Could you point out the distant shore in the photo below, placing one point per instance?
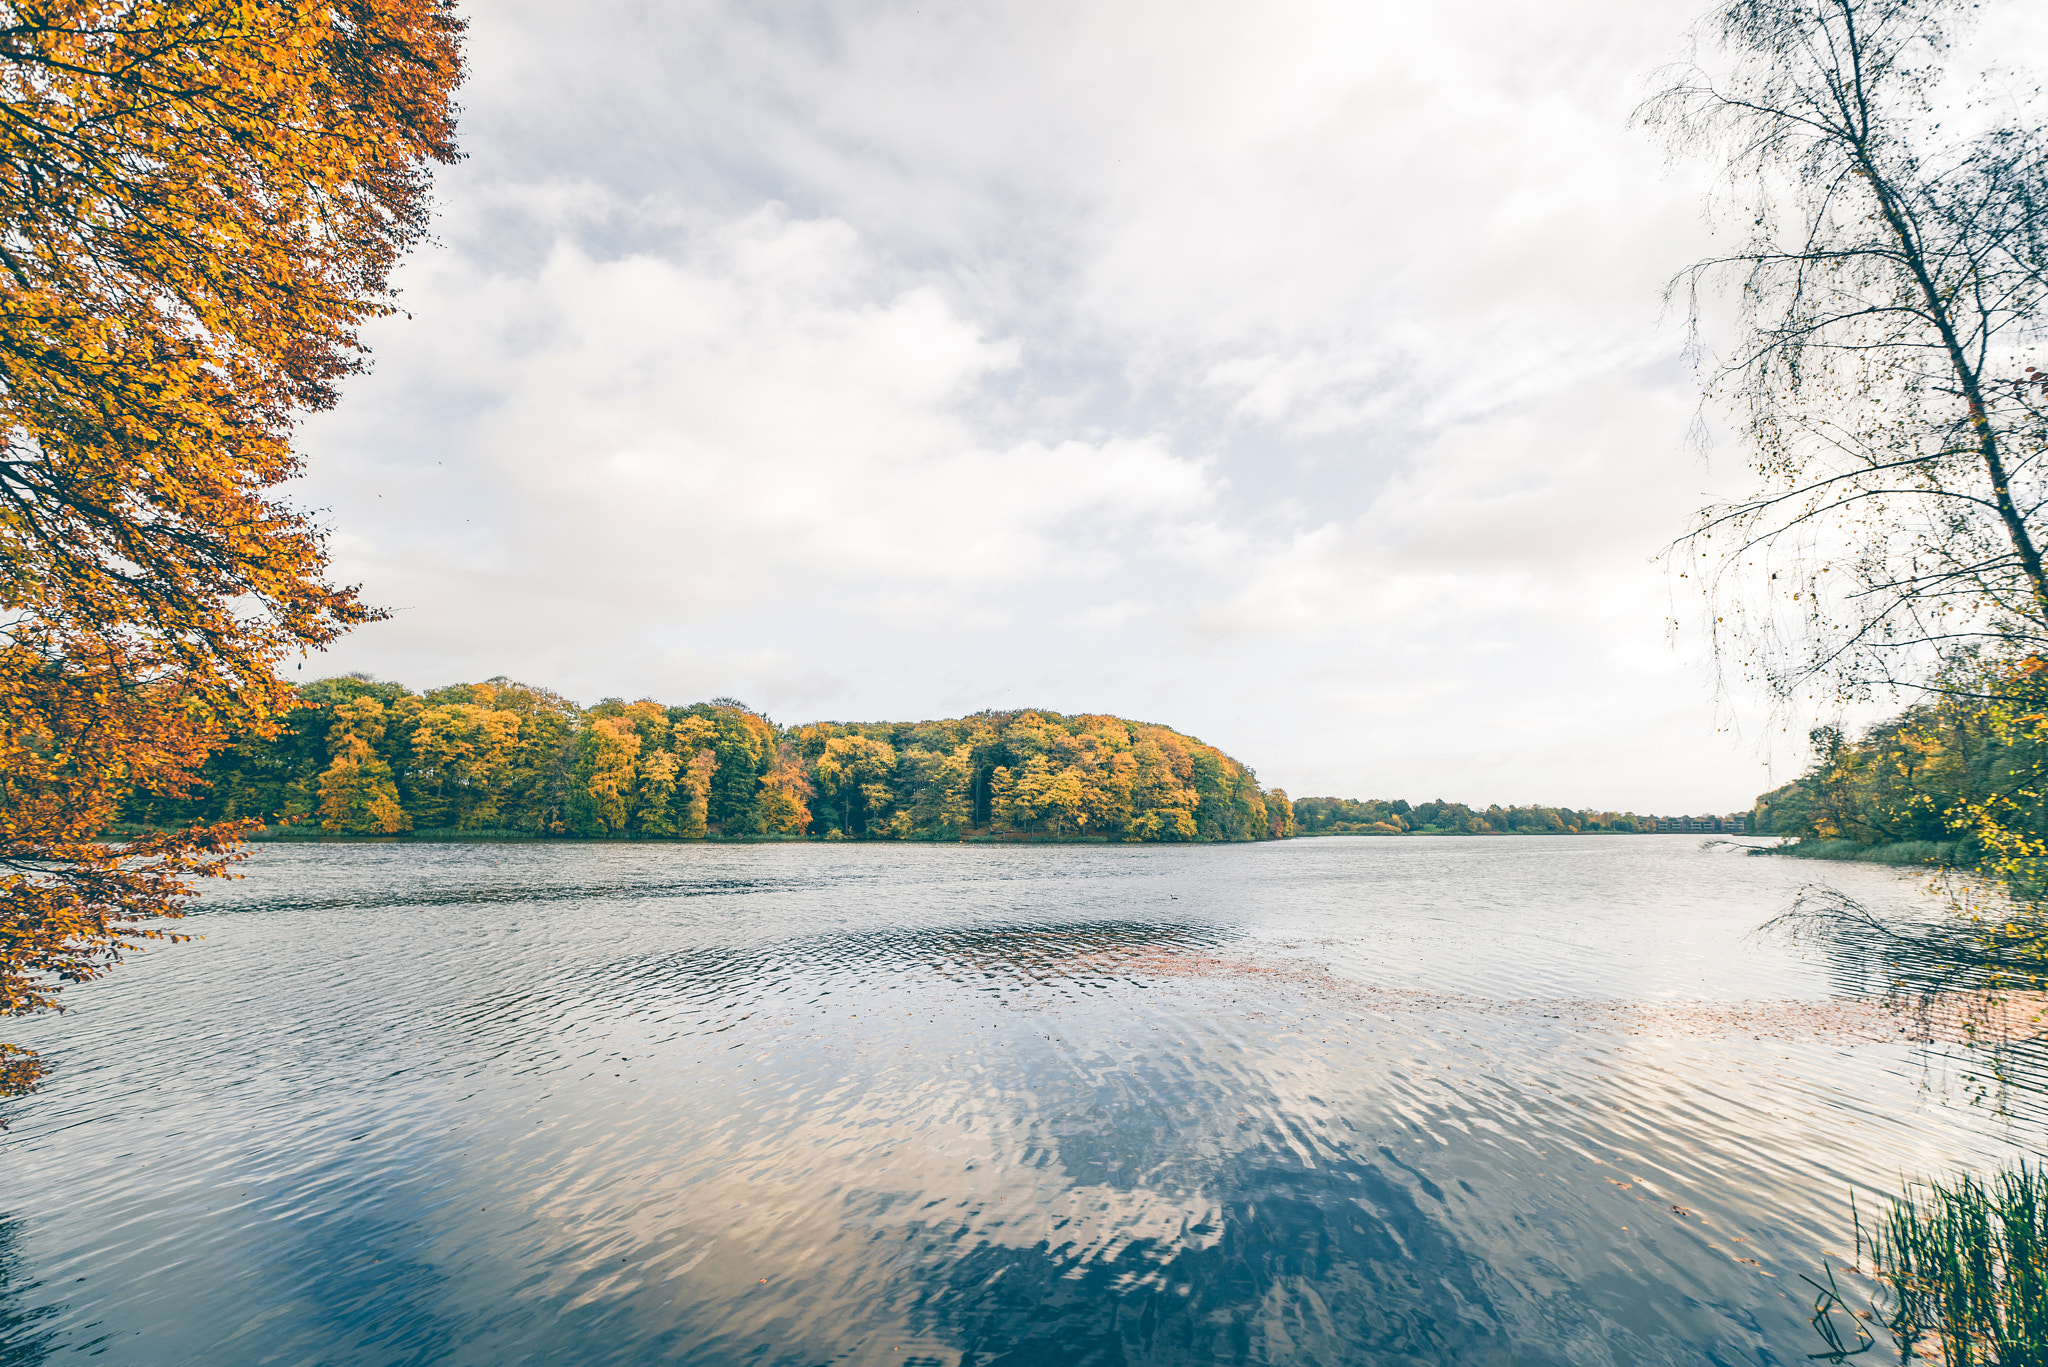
(1476, 835)
(313, 835)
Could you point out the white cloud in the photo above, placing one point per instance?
(1281, 373)
(752, 408)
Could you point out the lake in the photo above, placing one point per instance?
(1337, 1101)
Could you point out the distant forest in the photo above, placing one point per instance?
(1349, 816)
(363, 757)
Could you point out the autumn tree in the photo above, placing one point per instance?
(692, 737)
(357, 793)
(531, 789)
(852, 774)
(201, 202)
(614, 752)
(782, 807)
(1002, 788)
(942, 782)
(1064, 802)
(744, 744)
(1027, 790)
(462, 753)
(1162, 797)
(654, 799)
(1279, 815)
(655, 787)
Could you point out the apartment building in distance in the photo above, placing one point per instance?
(1736, 823)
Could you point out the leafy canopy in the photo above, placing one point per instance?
(200, 204)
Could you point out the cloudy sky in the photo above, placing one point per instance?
(1294, 374)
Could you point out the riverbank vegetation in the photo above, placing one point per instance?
(1966, 1265)
(1960, 779)
(1960, 1267)
(360, 757)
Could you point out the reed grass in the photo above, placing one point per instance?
(1965, 1266)
(1935, 853)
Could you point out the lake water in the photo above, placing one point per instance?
(1337, 1101)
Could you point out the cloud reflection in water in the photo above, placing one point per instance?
(879, 1105)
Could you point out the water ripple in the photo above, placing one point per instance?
(1340, 1101)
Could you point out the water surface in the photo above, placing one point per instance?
(1335, 1101)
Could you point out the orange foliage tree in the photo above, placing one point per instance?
(200, 204)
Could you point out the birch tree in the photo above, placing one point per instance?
(1890, 282)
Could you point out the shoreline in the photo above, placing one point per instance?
(286, 836)
(271, 836)
(1929, 854)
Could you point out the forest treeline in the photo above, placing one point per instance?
(1958, 778)
(1350, 816)
(358, 756)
